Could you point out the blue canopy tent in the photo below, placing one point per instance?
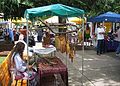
(106, 17)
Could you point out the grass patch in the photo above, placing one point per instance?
(2, 59)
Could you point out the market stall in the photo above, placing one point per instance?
(54, 10)
(108, 19)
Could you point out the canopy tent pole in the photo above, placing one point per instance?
(83, 49)
(66, 42)
(27, 47)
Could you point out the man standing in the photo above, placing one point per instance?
(100, 39)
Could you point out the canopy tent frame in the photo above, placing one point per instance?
(59, 10)
(106, 17)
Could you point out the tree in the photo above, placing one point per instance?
(10, 8)
(14, 8)
(102, 6)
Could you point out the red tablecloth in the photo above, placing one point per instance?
(57, 67)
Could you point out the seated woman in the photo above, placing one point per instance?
(19, 66)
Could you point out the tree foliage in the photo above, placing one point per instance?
(16, 8)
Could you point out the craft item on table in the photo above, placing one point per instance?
(48, 61)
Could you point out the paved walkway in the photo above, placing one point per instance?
(97, 70)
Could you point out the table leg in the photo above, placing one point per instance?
(64, 77)
(40, 79)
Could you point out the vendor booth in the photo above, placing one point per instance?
(53, 65)
(108, 19)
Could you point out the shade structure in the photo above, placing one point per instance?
(20, 21)
(54, 10)
(106, 17)
(77, 20)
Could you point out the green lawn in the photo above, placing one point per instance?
(1, 59)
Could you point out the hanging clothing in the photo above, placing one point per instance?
(62, 43)
(57, 42)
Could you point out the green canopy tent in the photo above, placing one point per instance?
(54, 10)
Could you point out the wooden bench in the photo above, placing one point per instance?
(5, 75)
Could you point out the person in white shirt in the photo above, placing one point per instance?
(19, 66)
(100, 39)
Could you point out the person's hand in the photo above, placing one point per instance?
(30, 67)
(101, 33)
